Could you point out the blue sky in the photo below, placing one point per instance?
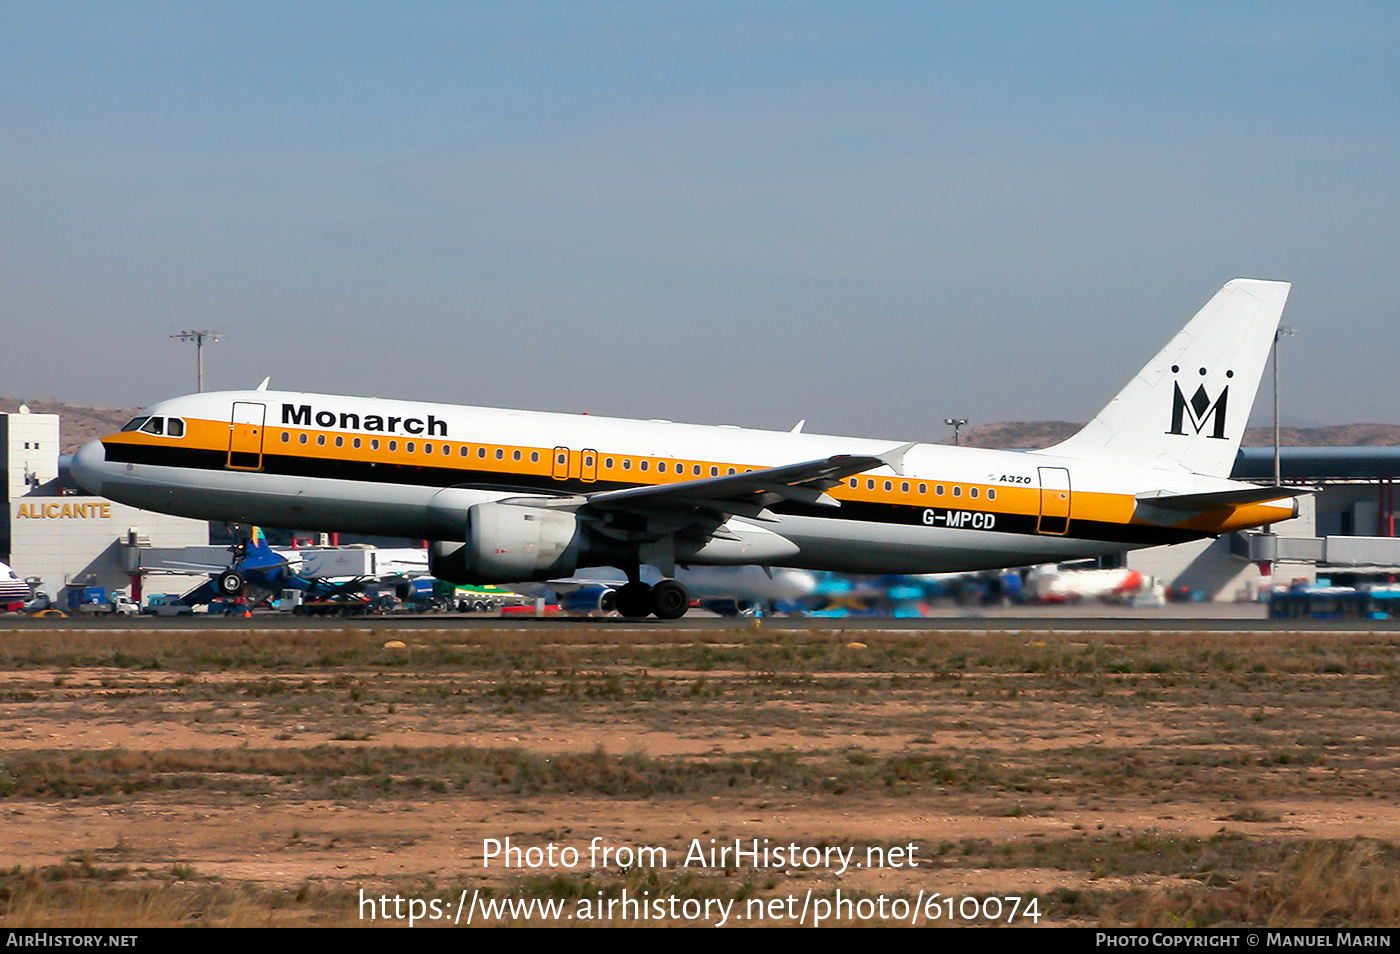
(871, 215)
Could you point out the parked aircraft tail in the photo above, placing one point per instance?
(1186, 409)
(259, 554)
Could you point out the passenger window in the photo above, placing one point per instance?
(286, 437)
(408, 447)
(321, 439)
(339, 441)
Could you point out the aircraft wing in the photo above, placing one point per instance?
(746, 494)
(700, 510)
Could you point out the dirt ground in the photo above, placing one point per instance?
(1106, 776)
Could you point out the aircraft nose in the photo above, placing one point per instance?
(88, 465)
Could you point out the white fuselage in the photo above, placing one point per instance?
(367, 465)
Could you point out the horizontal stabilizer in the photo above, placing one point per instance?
(1204, 503)
(1171, 509)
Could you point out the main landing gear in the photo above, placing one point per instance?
(666, 600)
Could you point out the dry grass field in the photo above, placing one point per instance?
(188, 774)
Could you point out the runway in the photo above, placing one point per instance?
(1087, 618)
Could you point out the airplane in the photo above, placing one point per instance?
(1050, 584)
(14, 592)
(509, 496)
(255, 562)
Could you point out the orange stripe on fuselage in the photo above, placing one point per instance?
(1011, 500)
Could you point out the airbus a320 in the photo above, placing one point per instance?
(513, 496)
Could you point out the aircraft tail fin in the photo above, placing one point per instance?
(259, 553)
(1186, 409)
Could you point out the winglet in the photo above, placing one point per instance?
(894, 459)
(265, 382)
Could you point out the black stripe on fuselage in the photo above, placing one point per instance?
(939, 517)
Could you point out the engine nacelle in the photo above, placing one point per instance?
(509, 544)
(587, 599)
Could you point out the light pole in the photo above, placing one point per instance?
(956, 423)
(198, 338)
(1282, 332)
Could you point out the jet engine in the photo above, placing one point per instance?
(508, 543)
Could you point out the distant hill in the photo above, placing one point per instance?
(76, 425)
(1036, 434)
(81, 424)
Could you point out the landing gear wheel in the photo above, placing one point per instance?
(633, 600)
(669, 599)
(230, 583)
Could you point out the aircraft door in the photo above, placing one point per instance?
(588, 465)
(1055, 500)
(561, 463)
(245, 436)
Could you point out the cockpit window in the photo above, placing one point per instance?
(160, 426)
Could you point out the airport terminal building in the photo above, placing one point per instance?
(55, 535)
